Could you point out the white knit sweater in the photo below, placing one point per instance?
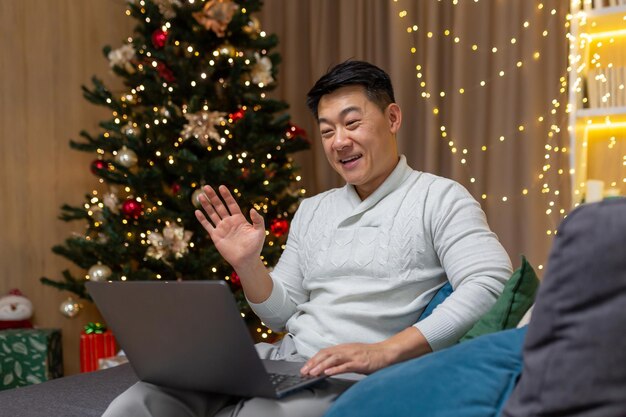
(362, 271)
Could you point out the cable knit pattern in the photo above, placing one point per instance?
(361, 271)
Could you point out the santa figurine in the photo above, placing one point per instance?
(15, 311)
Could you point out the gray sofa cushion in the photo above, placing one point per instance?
(575, 348)
(82, 395)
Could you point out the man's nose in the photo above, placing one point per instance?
(341, 140)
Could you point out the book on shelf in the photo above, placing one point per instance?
(621, 86)
(592, 89)
(606, 87)
(589, 5)
(608, 90)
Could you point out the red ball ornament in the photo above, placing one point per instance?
(97, 166)
(234, 278)
(159, 38)
(165, 73)
(175, 188)
(294, 131)
(279, 227)
(132, 208)
(237, 115)
(270, 173)
(245, 173)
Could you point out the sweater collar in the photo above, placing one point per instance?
(400, 173)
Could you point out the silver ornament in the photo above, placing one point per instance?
(129, 130)
(195, 198)
(126, 157)
(70, 308)
(99, 272)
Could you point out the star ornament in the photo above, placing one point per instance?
(203, 126)
(168, 7)
(123, 57)
(262, 70)
(216, 15)
(173, 241)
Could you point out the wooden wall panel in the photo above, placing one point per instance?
(48, 49)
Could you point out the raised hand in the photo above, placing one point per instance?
(237, 240)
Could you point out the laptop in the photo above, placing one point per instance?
(190, 335)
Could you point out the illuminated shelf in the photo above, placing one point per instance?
(597, 134)
(597, 115)
(605, 19)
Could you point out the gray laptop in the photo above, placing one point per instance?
(191, 335)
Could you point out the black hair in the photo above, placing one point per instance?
(376, 82)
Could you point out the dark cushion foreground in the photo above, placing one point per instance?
(575, 350)
(471, 379)
(82, 395)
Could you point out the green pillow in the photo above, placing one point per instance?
(516, 299)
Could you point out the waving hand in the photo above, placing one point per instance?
(237, 240)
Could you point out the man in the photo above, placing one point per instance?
(361, 262)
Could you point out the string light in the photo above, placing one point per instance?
(512, 66)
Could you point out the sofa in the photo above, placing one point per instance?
(81, 395)
(569, 361)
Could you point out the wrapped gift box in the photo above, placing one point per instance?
(93, 347)
(29, 356)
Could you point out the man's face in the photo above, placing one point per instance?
(358, 137)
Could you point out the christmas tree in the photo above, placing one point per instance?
(195, 110)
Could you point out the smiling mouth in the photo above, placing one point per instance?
(350, 159)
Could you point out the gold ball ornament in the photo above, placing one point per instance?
(227, 50)
(126, 157)
(70, 308)
(99, 272)
(195, 200)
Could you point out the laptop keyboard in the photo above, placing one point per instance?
(282, 381)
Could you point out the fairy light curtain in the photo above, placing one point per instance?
(483, 87)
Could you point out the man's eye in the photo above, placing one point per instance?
(326, 133)
(352, 123)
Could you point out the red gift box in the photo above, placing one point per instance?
(93, 347)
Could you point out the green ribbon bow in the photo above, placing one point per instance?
(95, 328)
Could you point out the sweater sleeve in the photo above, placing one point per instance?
(287, 292)
(473, 259)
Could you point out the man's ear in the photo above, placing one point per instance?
(394, 117)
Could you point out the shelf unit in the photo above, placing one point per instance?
(597, 99)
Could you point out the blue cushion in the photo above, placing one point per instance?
(440, 295)
(471, 379)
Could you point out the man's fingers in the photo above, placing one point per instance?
(324, 362)
(257, 219)
(216, 202)
(340, 369)
(208, 208)
(232, 205)
(355, 357)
